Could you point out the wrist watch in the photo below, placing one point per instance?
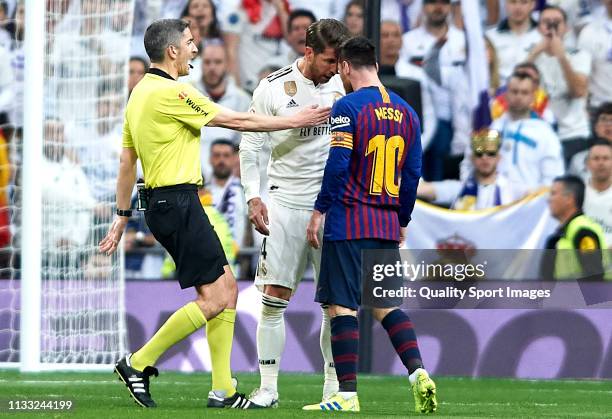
(124, 213)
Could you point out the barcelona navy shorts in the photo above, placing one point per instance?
(177, 220)
(340, 279)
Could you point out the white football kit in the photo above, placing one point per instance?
(295, 172)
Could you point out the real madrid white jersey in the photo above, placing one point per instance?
(298, 156)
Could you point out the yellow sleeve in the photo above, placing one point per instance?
(128, 142)
(191, 107)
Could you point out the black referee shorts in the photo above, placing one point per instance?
(177, 220)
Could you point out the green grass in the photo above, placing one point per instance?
(101, 395)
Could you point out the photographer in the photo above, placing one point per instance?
(565, 73)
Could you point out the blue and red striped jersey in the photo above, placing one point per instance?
(373, 169)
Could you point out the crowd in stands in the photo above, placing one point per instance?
(550, 65)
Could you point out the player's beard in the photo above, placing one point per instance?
(348, 87)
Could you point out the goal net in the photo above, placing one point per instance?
(82, 316)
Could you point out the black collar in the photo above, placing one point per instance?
(563, 227)
(160, 73)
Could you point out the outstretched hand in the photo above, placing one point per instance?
(110, 243)
(312, 115)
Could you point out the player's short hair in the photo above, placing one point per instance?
(574, 186)
(326, 33)
(300, 13)
(160, 35)
(359, 52)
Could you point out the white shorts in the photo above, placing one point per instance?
(285, 252)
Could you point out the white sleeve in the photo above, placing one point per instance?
(585, 39)
(252, 142)
(581, 62)
(551, 164)
(241, 217)
(461, 113)
(447, 191)
(429, 116)
(466, 167)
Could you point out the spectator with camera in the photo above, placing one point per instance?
(565, 72)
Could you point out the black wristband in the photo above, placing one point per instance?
(124, 213)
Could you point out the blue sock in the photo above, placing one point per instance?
(400, 331)
(345, 348)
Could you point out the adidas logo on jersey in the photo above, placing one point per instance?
(292, 104)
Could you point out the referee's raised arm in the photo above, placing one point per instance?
(249, 121)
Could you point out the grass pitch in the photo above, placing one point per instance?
(101, 395)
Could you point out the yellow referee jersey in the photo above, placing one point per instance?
(162, 123)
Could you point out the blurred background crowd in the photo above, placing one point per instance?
(550, 67)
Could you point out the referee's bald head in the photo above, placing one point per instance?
(160, 35)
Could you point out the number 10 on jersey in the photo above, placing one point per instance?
(387, 155)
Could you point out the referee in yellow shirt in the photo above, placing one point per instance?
(162, 128)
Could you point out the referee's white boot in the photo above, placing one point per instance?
(262, 398)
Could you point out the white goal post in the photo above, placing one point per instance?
(62, 302)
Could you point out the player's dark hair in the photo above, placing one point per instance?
(603, 109)
(359, 52)
(574, 186)
(557, 8)
(300, 13)
(160, 35)
(326, 33)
